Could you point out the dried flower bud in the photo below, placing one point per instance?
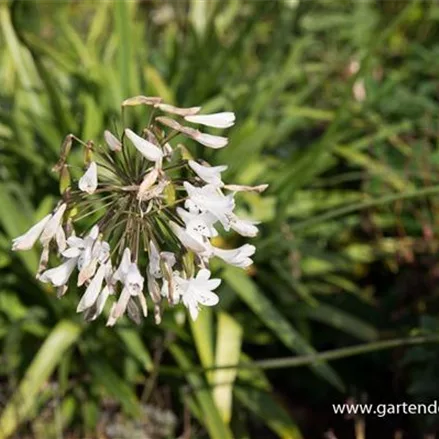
(65, 150)
(141, 100)
(178, 111)
(240, 188)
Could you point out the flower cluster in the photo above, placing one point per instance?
(155, 211)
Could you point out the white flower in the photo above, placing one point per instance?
(89, 181)
(28, 239)
(198, 291)
(52, 225)
(154, 261)
(209, 140)
(129, 275)
(60, 238)
(111, 319)
(210, 174)
(119, 308)
(146, 148)
(93, 290)
(244, 227)
(75, 247)
(172, 288)
(209, 198)
(190, 241)
(153, 288)
(99, 305)
(203, 138)
(216, 120)
(95, 311)
(112, 141)
(120, 273)
(239, 257)
(87, 252)
(60, 275)
(149, 179)
(133, 280)
(101, 251)
(198, 223)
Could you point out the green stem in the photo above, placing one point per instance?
(307, 360)
(364, 205)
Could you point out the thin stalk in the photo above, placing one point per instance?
(307, 360)
(363, 205)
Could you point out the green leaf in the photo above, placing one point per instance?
(15, 224)
(341, 320)
(202, 332)
(273, 319)
(272, 413)
(135, 347)
(215, 425)
(228, 351)
(114, 385)
(63, 335)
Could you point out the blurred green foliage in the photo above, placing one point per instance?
(337, 107)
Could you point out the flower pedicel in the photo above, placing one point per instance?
(155, 211)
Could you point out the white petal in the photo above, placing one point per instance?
(120, 273)
(149, 179)
(244, 227)
(147, 149)
(210, 141)
(94, 233)
(101, 251)
(210, 174)
(192, 305)
(59, 275)
(207, 298)
(112, 141)
(203, 274)
(52, 225)
(201, 224)
(89, 181)
(169, 258)
(72, 252)
(216, 120)
(153, 288)
(187, 239)
(154, 261)
(28, 239)
(122, 303)
(75, 241)
(134, 280)
(92, 291)
(239, 257)
(111, 319)
(87, 271)
(60, 239)
(209, 198)
(100, 302)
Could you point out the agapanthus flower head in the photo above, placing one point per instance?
(154, 213)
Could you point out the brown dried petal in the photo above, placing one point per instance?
(240, 188)
(178, 111)
(141, 100)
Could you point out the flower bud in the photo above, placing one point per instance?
(64, 179)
